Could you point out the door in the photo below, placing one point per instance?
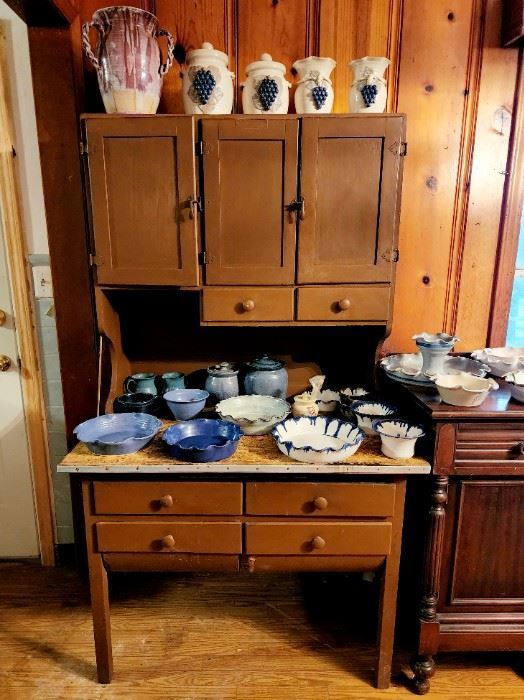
(350, 182)
(18, 535)
(250, 178)
(142, 185)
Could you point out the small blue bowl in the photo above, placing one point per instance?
(118, 433)
(202, 440)
(186, 403)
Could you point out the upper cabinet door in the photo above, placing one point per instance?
(250, 177)
(350, 182)
(142, 181)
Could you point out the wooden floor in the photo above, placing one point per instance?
(211, 637)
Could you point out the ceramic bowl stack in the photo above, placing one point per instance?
(348, 396)
(515, 381)
(118, 433)
(256, 415)
(367, 412)
(319, 440)
(501, 361)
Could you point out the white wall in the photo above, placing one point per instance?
(28, 160)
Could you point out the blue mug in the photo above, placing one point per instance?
(141, 383)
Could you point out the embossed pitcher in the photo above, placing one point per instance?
(127, 58)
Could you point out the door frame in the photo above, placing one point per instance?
(23, 304)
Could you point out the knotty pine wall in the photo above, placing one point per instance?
(448, 75)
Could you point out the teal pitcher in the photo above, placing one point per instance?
(141, 383)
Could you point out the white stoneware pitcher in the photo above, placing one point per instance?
(266, 90)
(369, 91)
(314, 94)
(207, 83)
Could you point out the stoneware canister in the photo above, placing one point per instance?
(267, 377)
(222, 381)
(127, 58)
(207, 82)
(314, 93)
(369, 91)
(266, 90)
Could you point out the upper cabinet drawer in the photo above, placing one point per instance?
(351, 303)
(142, 181)
(350, 182)
(250, 176)
(248, 304)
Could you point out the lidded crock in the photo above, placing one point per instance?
(222, 381)
(266, 90)
(207, 83)
(266, 376)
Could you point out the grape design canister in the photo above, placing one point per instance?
(207, 83)
(314, 93)
(368, 93)
(266, 90)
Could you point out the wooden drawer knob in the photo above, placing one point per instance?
(168, 542)
(318, 542)
(166, 501)
(248, 305)
(320, 503)
(520, 448)
(344, 304)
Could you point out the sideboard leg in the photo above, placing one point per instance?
(101, 618)
(424, 668)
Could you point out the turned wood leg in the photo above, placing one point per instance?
(101, 618)
(423, 668)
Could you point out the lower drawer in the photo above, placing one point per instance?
(351, 303)
(247, 304)
(135, 561)
(196, 538)
(319, 538)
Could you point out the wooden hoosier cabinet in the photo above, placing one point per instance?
(473, 578)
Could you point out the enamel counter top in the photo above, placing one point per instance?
(255, 454)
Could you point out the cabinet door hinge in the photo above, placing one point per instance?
(202, 148)
(391, 255)
(94, 260)
(202, 258)
(83, 149)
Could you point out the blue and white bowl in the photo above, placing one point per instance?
(118, 433)
(318, 440)
(368, 411)
(398, 437)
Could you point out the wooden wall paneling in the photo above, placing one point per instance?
(433, 79)
(51, 62)
(350, 29)
(478, 250)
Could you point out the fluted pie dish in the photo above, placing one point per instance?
(318, 440)
(202, 440)
(118, 433)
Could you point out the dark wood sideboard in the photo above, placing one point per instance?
(472, 596)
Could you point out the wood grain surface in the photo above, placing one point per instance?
(215, 637)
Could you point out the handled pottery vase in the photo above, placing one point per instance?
(314, 93)
(369, 91)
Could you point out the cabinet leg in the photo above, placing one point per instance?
(101, 618)
(424, 668)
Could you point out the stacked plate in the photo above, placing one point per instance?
(406, 369)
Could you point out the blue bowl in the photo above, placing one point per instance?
(186, 403)
(118, 433)
(202, 440)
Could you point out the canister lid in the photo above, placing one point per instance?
(207, 53)
(266, 62)
(223, 369)
(264, 362)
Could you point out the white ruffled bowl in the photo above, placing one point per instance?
(515, 381)
(255, 414)
(398, 437)
(318, 440)
(463, 389)
(367, 412)
(501, 361)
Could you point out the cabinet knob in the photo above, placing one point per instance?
(168, 542)
(3, 317)
(520, 448)
(166, 501)
(318, 542)
(248, 305)
(344, 304)
(320, 503)
(5, 363)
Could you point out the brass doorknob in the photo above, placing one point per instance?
(3, 317)
(344, 304)
(320, 503)
(5, 363)
(248, 305)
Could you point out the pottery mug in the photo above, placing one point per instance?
(140, 383)
(171, 380)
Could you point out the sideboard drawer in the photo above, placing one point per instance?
(170, 536)
(351, 303)
(481, 447)
(319, 538)
(167, 498)
(247, 304)
(320, 500)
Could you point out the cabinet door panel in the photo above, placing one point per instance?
(350, 181)
(250, 175)
(142, 176)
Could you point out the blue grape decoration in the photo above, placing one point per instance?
(203, 85)
(267, 92)
(369, 93)
(319, 94)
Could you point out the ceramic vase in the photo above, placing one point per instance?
(434, 348)
(127, 58)
(266, 90)
(368, 93)
(314, 93)
(207, 83)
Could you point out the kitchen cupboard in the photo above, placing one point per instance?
(285, 208)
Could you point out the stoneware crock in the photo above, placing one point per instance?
(398, 437)
(222, 381)
(266, 90)
(266, 376)
(314, 93)
(463, 389)
(207, 82)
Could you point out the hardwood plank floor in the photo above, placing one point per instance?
(214, 637)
